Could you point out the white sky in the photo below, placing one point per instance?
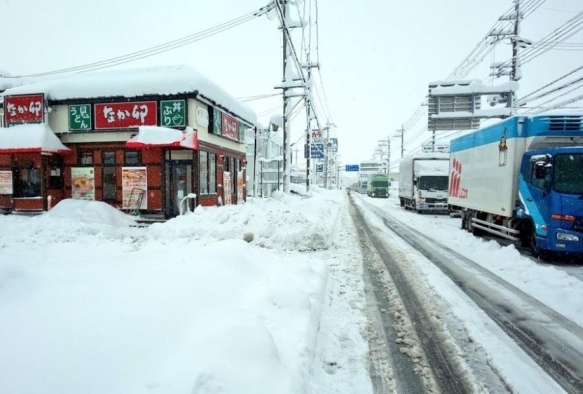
(376, 59)
(89, 304)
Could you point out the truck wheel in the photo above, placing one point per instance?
(402, 202)
(532, 244)
(469, 224)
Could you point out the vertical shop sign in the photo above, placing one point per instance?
(80, 117)
(6, 182)
(227, 187)
(202, 116)
(242, 129)
(124, 115)
(173, 113)
(229, 127)
(83, 182)
(24, 109)
(134, 186)
(217, 128)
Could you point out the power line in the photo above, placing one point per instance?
(562, 104)
(257, 97)
(529, 97)
(186, 40)
(547, 43)
(561, 95)
(480, 51)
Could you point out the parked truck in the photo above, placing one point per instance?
(378, 185)
(423, 182)
(522, 179)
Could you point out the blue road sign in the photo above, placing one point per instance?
(319, 167)
(352, 167)
(317, 151)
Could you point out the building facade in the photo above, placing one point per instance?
(157, 140)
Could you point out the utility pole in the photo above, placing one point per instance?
(513, 72)
(385, 144)
(402, 135)
(286, 100)
(326, 150)
(308, 104)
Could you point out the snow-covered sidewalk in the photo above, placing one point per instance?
(90, 303)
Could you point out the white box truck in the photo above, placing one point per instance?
(522, 179)
(423, 182)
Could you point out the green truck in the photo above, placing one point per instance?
(378, 185)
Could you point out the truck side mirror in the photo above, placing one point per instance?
(415, 182)
(539, 170)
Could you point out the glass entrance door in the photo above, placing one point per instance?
(179, 184)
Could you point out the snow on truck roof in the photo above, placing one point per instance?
(432, 167)
(165, 80)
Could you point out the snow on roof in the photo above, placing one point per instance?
(30, 138)
(479, 113)
(165, 80)
(164, 136)
(432, 167)
(472, 87)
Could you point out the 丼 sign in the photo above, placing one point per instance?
(173, 113)
(24, 108)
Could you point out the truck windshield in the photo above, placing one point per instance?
(380, 183)
(433, 183)
(568, 170)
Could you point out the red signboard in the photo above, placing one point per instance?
(124, 115)
(229, 127)
(24, 108)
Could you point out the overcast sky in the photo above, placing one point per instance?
(376, 56)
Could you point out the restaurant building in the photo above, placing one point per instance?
(154, 141)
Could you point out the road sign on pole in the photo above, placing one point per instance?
(352, 167)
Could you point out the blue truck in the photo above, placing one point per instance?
(522, 180)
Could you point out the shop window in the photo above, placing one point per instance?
(132, 158)
(27, 182)
(55, 168)
(234, 176)
(204, 172)
(109, 177)
(86, 158)
(212, 173)
(208, 172)
(108, 158)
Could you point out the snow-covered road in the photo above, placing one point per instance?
(552, 327)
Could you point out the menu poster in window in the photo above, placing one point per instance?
(240, 185)
(83, 183)
(134, 185)
(227, 187)
(6, 182)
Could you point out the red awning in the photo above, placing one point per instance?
(164, 137)
(30, 138)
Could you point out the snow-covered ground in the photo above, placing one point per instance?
(264, 297)
(89, 303)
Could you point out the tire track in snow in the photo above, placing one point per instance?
(446, 373)
(554, 342)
